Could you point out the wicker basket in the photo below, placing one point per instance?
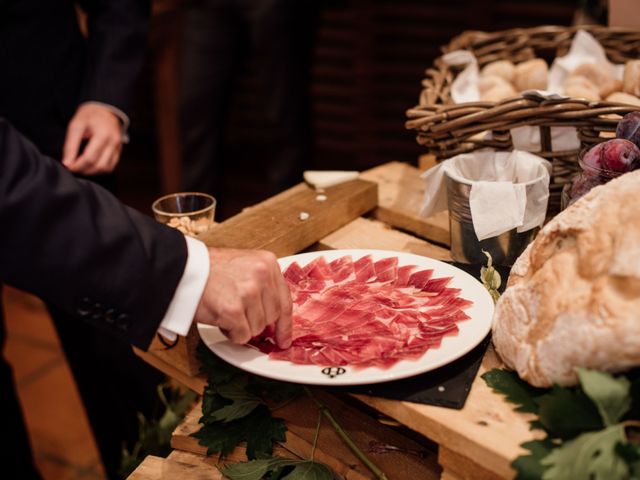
(447, 129)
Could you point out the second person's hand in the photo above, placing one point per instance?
(101, 128)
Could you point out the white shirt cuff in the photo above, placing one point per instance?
(179, 316)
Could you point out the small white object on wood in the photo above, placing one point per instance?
(328, 178)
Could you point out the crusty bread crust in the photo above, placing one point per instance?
(573, 296)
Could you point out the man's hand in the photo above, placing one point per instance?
(101, 128)
(244, 293)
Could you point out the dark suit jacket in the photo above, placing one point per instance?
(73, 244)
(48, 68)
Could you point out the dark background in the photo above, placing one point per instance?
(367, 63)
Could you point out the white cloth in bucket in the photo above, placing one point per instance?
(508, 189)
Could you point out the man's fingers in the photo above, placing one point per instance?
(105, 162)
(90, 156)
(72, 141)
(237, 329)
(255, 315)
(283, 324)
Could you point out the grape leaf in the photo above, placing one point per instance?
(275, 468)
(254, 469)
(514, 389)
(217, 370)
(609, 394)
(242, 402)
(264, 432)
(631, 454)
(259, 429)
(567, 412)
(590, 456)
(309, 471)
(211, 402)
(529, 466)
(273, 389)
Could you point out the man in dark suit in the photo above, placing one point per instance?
(74, 245)
(70, 93)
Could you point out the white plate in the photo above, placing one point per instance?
(471, 332)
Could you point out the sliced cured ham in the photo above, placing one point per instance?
(365, 313)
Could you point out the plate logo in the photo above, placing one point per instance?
(333, 372)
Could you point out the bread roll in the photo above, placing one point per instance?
(600, 77)
(578, 86)
(621, 97)
(531, 75)
(499, 93)
(573, 296)
(500, 68)
(490, 82)
(631, 80)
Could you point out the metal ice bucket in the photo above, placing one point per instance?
(465, 246)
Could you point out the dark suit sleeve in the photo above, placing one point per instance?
(76, 246)
(116, 45)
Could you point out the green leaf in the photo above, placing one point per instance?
(529, 467)
(217, 370)
(211, 402)
(590, 456)
(309, 471)
(254, 469)
(610, 395)
(273, 390)
(259, 429)
(630, 453)
(566, 413)
(264, 432)
(274, 467)
(242, 402)
(516, 391)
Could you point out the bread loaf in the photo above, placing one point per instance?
(573, 296)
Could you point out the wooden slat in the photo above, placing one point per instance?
(403, 459)
(366, 233)
(487, 430)
(400, 190)
(462, 467)
(276, 225)
(156, 468)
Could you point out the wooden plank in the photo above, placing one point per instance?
(397, 455)
(156, 468)
(275, 225)
(487, 430)
(366, 233)
(194, 382)
(461, 467)
(400, 191)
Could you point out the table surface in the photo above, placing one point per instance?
(480, 440)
